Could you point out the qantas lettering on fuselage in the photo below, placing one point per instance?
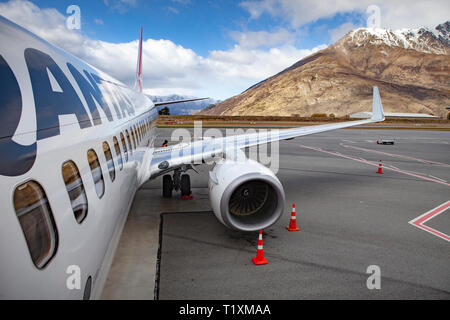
(17, 159)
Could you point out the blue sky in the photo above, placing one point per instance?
(215, 48)
(201, 25)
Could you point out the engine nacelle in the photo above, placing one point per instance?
(245, 196)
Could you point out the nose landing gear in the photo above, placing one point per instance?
(179, 181)
(185, 185)
(167, 186)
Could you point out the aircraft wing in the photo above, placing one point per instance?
(165, 103)
(201, 151)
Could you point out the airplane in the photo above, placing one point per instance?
(76, 144)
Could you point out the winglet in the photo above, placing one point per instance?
(139, 66)
(377, 108)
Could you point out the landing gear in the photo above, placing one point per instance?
(179, 181)
(167, 186)
(185, 185)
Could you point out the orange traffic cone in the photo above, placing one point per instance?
(259, 259)
(293, 223)
(380, 168)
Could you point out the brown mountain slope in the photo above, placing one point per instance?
(412, 77)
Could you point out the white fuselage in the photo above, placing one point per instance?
(90, 244)
(76, 144)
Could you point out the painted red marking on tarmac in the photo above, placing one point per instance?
(420, 220)
(376, 165)
(398, 156)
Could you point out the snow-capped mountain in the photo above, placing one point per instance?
(423, 39)
(411, 67)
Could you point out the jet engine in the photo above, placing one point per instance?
(245, 196)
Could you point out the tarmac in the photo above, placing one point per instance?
(350, 217)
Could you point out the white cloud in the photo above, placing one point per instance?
(414, 14)
(395, 14)
(168, 68)
(298, 13)
(339, 32)
(255, 39)
(120, 6)
(184, 2)
(173, 10)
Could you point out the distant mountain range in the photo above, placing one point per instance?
(411, 67)
(185, 108)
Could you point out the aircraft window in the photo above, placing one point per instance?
(75, 189)
(133, 136)
(36, 219)
(109, 161)
(118, 153)
(96, 171)
(138, 133)
(87, 289)
(124, 145)
(129, 141)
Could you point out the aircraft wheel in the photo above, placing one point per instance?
(167, 186)
(185, 185)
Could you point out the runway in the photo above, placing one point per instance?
(350, 218)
